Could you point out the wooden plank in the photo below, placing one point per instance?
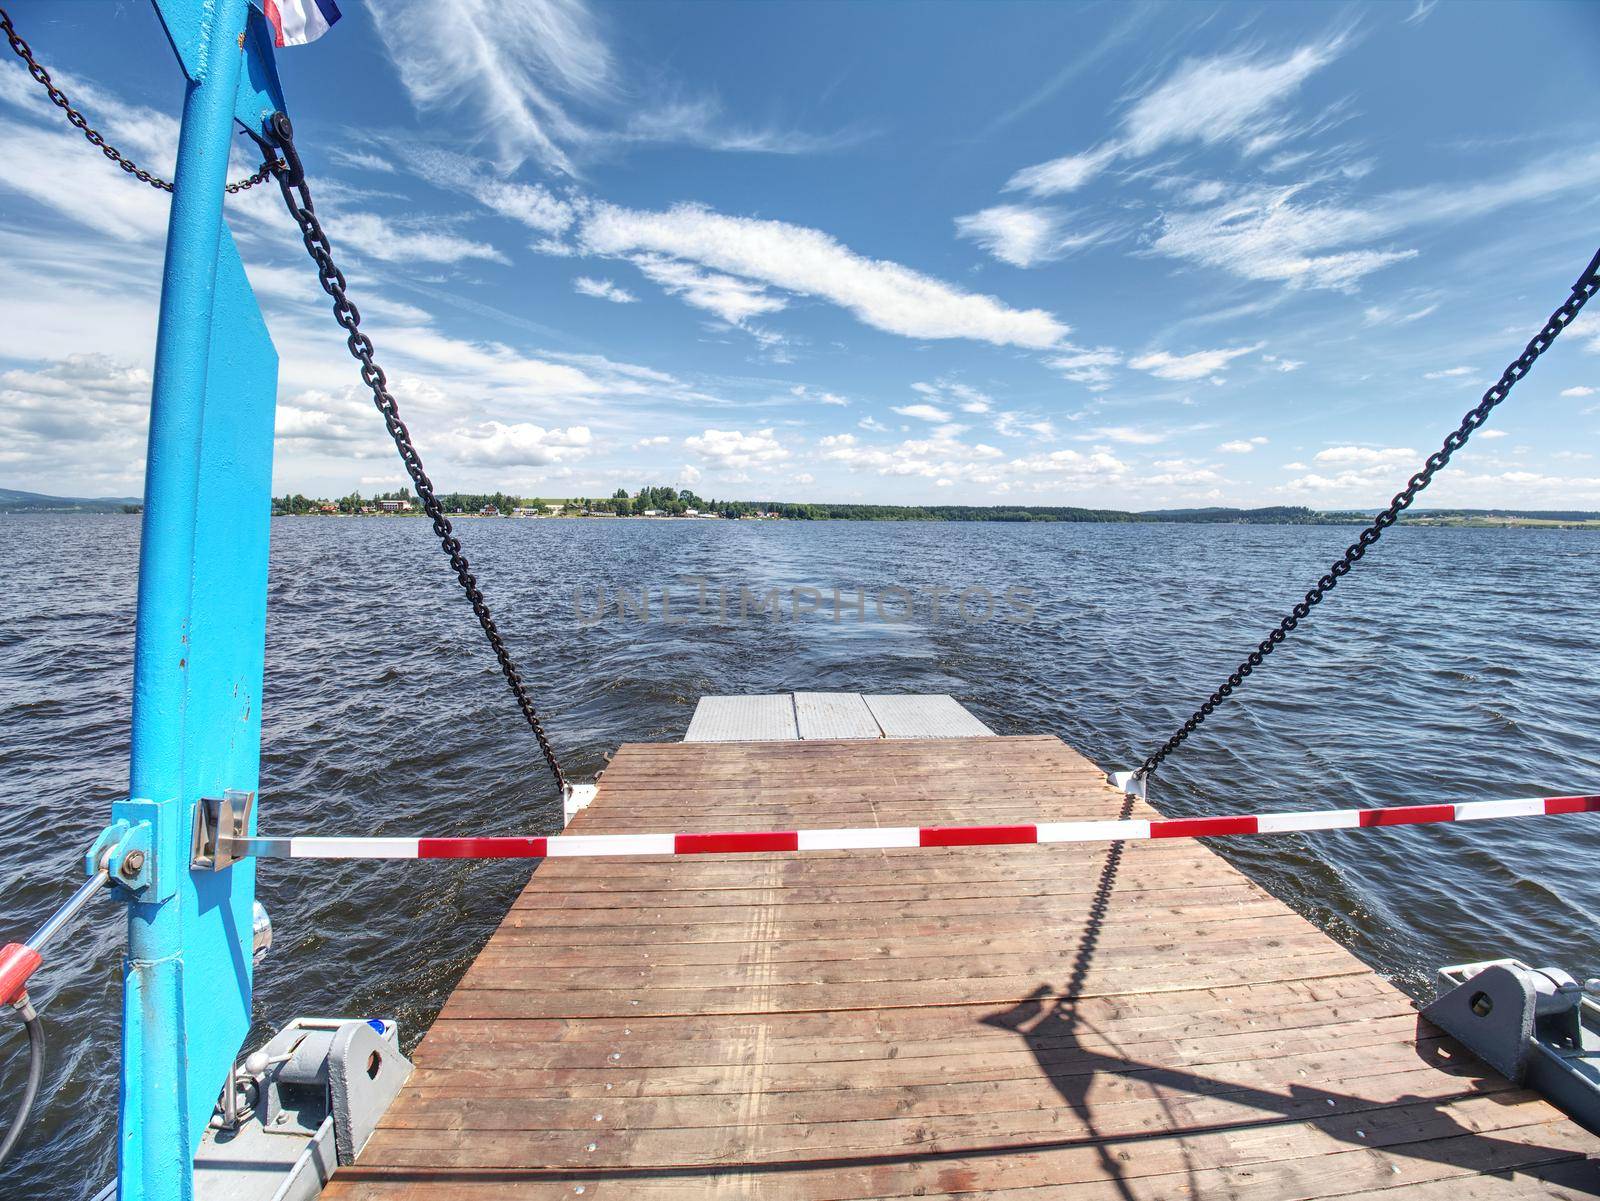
(834, 715)
(743, 719)
(925, 717)
(1091, 1022)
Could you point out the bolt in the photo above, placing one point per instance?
(132, 865)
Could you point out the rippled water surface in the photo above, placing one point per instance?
(1454, 665)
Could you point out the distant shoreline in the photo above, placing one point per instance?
(685, 506)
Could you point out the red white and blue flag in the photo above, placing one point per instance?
(296, 22)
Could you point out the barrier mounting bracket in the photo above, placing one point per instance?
(219, 823)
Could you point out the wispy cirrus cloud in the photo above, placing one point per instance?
(1200, 364)
(1206, 101)
(1027, 235)
(1276, 234)
(537, 79)
(602, 289)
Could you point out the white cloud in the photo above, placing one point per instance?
(1091, 368)
(658, 440)
(1492, 433)
(1224, 99)
(1271, 234)
(532, 205)
(1580, 390)
(1231, 98)
(689, 474)
(1368, 456)
(534, 78)
(506, 71)
(733, 300)
(1282, 364)
(1065, 174)
(1449, 373)
(392, 241)
(807, 262)
(1264, 235)
(872, 425)
(81, 419)
(1201, 364)
(1024, 235)
(523, 444)
(731, 449)
(801, 392)
(1242, 446)
(923, 412)
(1130, 434)
(1397, 315)
(950, 392)
(942, 456)
(602, 289)
(74, 181)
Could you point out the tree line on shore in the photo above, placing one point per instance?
(654, 500)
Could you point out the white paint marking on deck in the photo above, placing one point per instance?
(744, 719)
(834, 715)
(925, 717)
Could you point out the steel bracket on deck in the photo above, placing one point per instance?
(1129, 783)
(1535, 1026)
(575, 799)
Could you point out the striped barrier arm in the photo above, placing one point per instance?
(898, 837)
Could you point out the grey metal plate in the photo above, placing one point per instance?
(903, 716)
(834, 715)
(744, 719)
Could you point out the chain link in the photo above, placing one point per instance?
(291, 179)
(93, 135)
(1588, 283)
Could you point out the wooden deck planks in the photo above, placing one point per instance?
(1138, 1021)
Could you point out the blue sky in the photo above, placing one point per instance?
(1108, 254)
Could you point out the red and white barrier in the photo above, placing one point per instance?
(893, 837)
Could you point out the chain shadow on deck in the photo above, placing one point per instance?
(1059, 1039)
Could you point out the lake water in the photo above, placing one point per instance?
(1452, 665)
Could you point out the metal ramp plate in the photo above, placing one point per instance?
(823, 715)
(925, 717)
(744, 719)
(807, 716)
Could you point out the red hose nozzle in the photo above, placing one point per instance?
(17, 962)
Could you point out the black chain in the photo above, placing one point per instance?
(291, 179)
(95, 138)
(1588, 283)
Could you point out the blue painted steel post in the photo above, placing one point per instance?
(199, 647)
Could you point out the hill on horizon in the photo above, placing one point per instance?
(14, 501)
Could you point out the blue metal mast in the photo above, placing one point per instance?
(198, 658)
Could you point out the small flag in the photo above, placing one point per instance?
(296, 22)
